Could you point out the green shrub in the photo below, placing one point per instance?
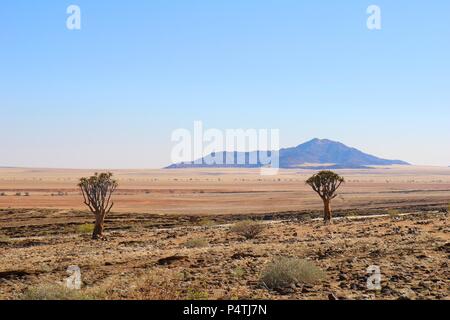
(284, 272)
(196, 243)
(196, 295)
(352, 213)
(239, 272)
(4, 239)
(206, 223)
(393, 213)
(249, 229)
(86, 228)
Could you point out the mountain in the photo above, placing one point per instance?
(314, 154)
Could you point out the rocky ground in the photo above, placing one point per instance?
(183, 257)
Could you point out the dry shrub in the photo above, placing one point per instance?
(158, 284)
(249, 229)
(284, 272)
(155, 284)
(393, 213)
(352, 213)
(197, 295)
(86, 228)
(4, 239)
(196, 243)
(206, 223)
(57, 292)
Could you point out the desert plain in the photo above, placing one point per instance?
(169, 234)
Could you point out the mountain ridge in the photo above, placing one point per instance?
(313, 154)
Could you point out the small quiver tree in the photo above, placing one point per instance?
(97, 191)
(326, 183)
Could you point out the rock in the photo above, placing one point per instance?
(171, 260)
(394, 278)
(284, 291)
(14, 274)
(242, 255)
(445, 248)
(407, 294)
(332, 296)
(386, 291)
(342, 277)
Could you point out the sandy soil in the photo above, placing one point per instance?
(207, 192)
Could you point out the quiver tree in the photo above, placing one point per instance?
(326, 183)
(97, 191)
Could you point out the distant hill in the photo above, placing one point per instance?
(314, 154)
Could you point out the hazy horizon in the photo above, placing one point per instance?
(110, 95)
(164, 167)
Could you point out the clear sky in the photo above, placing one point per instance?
(110, 95)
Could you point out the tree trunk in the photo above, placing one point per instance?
(98, 228)
(327, 212)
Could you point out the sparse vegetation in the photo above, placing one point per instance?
(352, 213)
(196, 243)
(284, 272)
(59, 194)
(4, 238)
(156, 250)
(196, 295)
(239, 272)
(393, 213)
(206, 223)
(55, 292)
(248, 229)
(160, 284)
(85, 228)
(326, 183)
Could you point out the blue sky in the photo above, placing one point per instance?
(110, 95)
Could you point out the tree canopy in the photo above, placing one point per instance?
(325, 183)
